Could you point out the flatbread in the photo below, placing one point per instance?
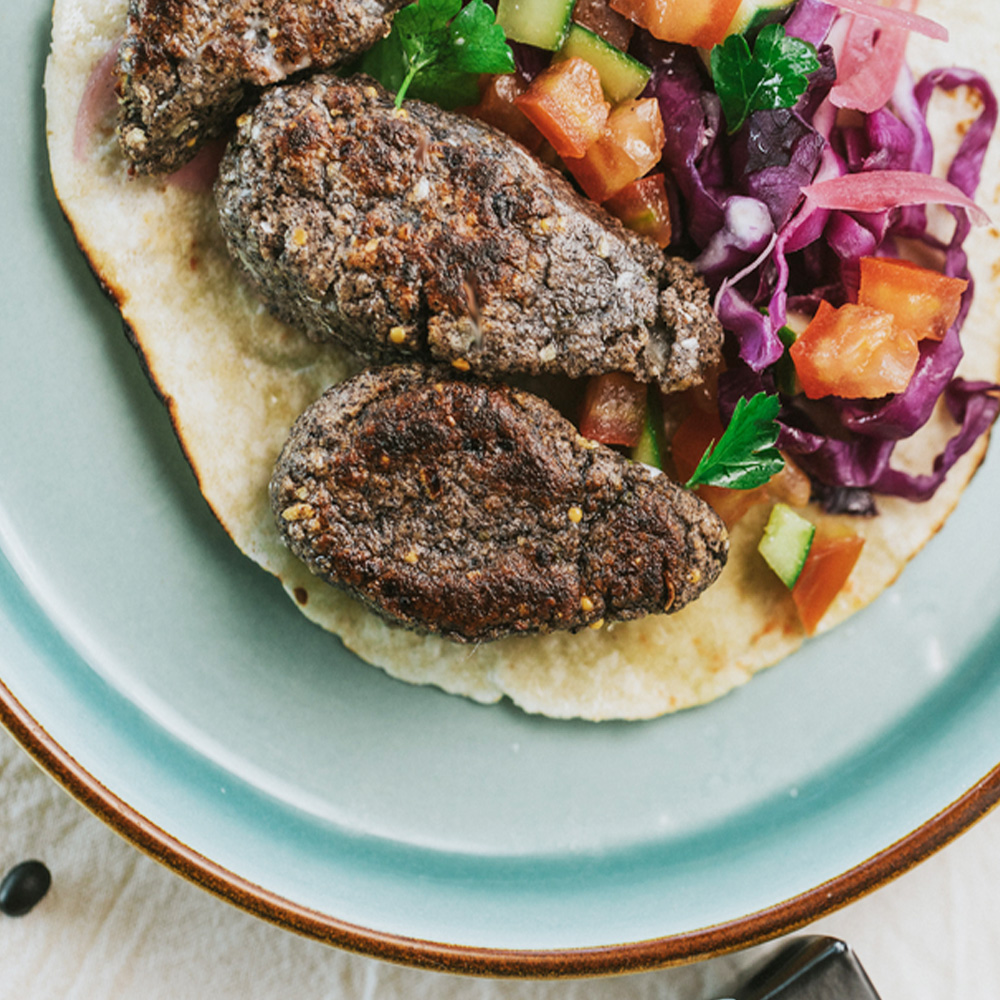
(234, 380)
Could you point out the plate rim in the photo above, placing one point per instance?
(627, 957)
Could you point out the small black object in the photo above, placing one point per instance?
(811, 967)
(23, 887)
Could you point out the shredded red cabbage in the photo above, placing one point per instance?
(763, 251)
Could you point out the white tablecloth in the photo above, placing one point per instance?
(117, 925)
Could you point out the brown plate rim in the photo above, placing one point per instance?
(741, 932)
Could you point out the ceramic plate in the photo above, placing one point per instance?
(173, 687)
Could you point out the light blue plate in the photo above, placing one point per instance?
(184, 697)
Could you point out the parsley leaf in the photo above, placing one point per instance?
(773, 76)
(436, 51)
(745, 456)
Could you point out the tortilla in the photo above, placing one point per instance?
(234, 380)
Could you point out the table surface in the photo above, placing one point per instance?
(118, 925)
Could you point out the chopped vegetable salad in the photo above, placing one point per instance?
(785, 148)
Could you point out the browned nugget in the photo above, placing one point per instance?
(185, 65)
(417, 231)
(475, 510)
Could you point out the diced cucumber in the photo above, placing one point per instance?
(622, 77)
(786, 378)
(754, 14)
(649, 448)
(786, 543)
(542, 23)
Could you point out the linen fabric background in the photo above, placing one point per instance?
(117, 925)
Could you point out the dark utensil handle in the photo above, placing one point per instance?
(810, 967)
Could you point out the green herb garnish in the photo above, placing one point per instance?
(745, 456)
(773, 76)
(436, 51)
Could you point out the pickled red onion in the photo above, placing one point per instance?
(869, 68)
(198, 174)
(893, 16)
(881, 190)
(97, 104)
(869, 59)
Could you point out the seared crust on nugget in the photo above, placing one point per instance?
(417, 231)
(185, 65)
(474, 510)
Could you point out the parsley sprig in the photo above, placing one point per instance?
(437, 49)
(774, 75)
(745, 456)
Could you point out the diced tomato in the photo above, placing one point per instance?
(613, 409)
(630, 146)
(700, 429)
(566, 104)
(496, 107)
(697, 431)
(791, 486)
(705, 395)
(856, 352)
(828, 565)
(731, 505)
(644, 207)
(923, 302)
(693, 22)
